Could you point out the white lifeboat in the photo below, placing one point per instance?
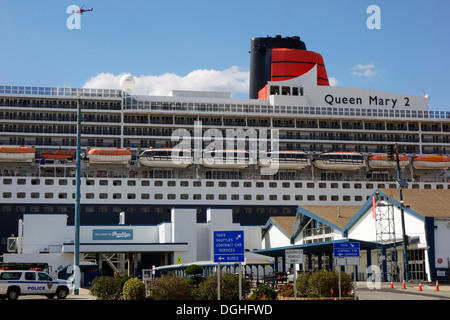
(380, 161)
(16, 154)
(284, 159)
(340, 160)
(226, 158)
(109, 155)
(431, 162)
(166, 157)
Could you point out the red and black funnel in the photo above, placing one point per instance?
(277, 58)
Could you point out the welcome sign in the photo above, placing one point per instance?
(112, 234)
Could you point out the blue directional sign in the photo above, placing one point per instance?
(229, 246)
(346, 249)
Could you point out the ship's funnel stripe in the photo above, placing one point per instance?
(305, 62)
(291, 63)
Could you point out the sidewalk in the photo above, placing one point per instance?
(83, 294)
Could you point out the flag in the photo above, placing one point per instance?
(374, 207)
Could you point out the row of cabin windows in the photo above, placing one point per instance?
(128, 209)
(172, 196)
(222, 184)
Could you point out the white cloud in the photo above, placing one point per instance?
(234, 80)
(364, 70)
(365, 66)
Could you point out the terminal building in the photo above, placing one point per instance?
(376, 225)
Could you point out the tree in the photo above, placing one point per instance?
(196, 272)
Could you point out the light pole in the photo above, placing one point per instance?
(401, 184)
(76, 252)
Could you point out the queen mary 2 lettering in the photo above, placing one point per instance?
(331, 100)
(373, 100)
(362, 98)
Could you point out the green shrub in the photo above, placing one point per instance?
(229, 287)
(264, 292)
(303, 284)
(134, 289)
(107, 288)
(286, 290)
(170, 287)
(323, 284)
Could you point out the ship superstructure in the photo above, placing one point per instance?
(302, 142)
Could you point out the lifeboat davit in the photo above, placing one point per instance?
(16, 154)
(226, 158)
(339, 160)
(166, 157)
(431, 162)
(380, 161)
(284, 159)
(59, 155)
(109, 155)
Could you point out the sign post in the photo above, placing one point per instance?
(346, 253)
(294, 256)
(228, 247)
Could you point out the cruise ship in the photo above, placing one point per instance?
(296, 141)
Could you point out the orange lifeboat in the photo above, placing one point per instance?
(16, 154)
(59, 155)
(340, 160)
(284, 159)
(431, 162)
(380, 161)
(109, 155)
(226, 158)
(166, 157)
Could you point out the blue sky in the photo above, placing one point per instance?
(189, 44)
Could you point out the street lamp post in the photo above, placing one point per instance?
(402, 183)
(76, 252)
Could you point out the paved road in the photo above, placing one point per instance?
(363, 292)
(411, 292)
(83, 295)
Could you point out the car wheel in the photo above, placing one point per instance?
(62, 293)
(13, 293)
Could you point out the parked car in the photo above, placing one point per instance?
(14, 283)
(280, 276)
(290, 277)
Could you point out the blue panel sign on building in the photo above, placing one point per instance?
(112, 234)
(346, 249)
(229, 246)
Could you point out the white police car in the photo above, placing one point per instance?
(14, 283)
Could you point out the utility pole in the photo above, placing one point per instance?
(393, 149)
